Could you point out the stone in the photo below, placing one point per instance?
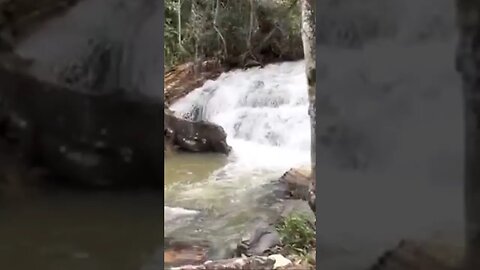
(175, 213)
(102, 139)
(94, 138)
(280, 261)
(291, 206)
(263, 238)
(195, 136)
(297, 181)
(178, 253)
(242, 263)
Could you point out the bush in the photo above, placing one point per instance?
(297, 234)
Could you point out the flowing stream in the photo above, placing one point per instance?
(264, 113)
(390, 165)
(391, 168)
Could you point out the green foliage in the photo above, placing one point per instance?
(296, 233)
(190, 34)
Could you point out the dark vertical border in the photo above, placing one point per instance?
(317, 109)
(162, 60)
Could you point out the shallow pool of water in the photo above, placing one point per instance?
(185, 168)
(61, 229)
(226, 203)
(264, 112)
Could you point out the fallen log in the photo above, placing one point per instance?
(184, 78)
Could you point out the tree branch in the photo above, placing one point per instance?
(215, 26)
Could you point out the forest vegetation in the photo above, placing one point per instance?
(233, 32)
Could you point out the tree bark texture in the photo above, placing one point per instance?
(308, 39)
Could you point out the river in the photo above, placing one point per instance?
(399, 96)
(393, 166)
(57, 229)
(255, 107)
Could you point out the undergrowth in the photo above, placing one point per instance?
(297, 234)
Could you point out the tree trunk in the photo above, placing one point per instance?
(308, 39)
(468, 64)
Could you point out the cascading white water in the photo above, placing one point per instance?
(263, 111)
(398, 96)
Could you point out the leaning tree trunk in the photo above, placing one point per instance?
(468, 64)
(308, 39)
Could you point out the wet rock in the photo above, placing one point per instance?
(178, 253)
(96, 69)
(195, 136)
(174, 213)
(103, 139)
(262, 240)
(297, 181)
(280, 261)
(182, 79)
(243, 263)
(292, 206)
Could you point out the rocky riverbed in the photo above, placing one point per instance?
(261, 247)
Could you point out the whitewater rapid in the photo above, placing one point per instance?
(263, 111)
(398, 113)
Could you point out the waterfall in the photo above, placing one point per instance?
(264, 112)
(391, 163)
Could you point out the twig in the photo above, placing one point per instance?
(215, 26)
(179, 15)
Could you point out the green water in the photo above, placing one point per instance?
(183, 168)
(67, 230)
(51, 228)
(228, 199)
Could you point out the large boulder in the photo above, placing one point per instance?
(297, 182)
(97, 138)
(195, 136)
(262, 241)
(100, 139)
